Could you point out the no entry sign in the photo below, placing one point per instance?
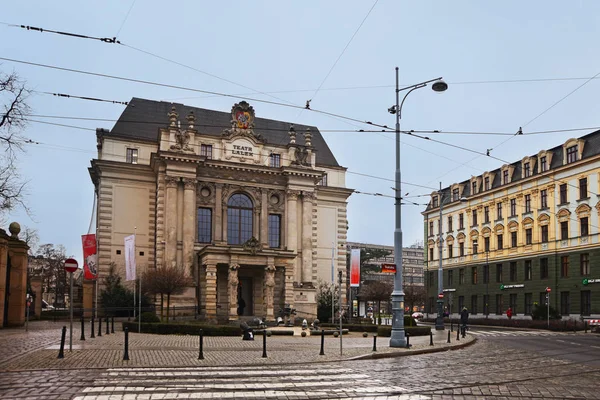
(71, 265)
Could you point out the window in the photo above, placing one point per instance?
(461, 221)
(545, 234)
(487, 183)
(544, 268)
(474, 275)
(583, 222)
(435, 201)
(431, 254)
(474, 186)
(513, 239)
(528, 271)
(486, 274)
(461, 276)
(543, 164)
(486, 214)
(323, 181)
(528, 236)
(274, 230)
(565, 303)
(499, 273)
(564, 267)
(527, 169)
(486, 304)
(563, 193)
(450, 278)
(455, 194)
(474, 217)
(450, 255)
(204, 225)
(239, 219)
(499, 304)
(206, 150)
(450, 224)
(475, 246)
(474, 304)
(527, 203)
(512, 302)
(461, 302)
(430, 228)
(513, 271)
(513, 207)
(528, 303)
(500, 240)
(543, 199)
(505, 177)
(586, 302)
(571, 154)
(584, 261)
(564, 230)
(275, 160)
(486, 243)
(583, 194)
(461, 249)
(132, 156)
(499, 210)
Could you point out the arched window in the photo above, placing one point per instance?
(239, 219)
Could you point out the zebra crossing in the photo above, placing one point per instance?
(499, 333)
(314, 382)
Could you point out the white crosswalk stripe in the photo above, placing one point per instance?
(261, 382)
(514, 333)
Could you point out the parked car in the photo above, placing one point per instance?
(46, 306)
(417, 315)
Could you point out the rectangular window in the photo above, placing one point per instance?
(513, 207)
(583, 222)
(474, 246)
(499, 273)
(528, 270)
(528, 237)
(206, 150)
(528, 303)
(500, 238)
(543, 164)
(450, 224)
(275, 160)
(454, 194)
(461, 221)
(204, 225)
(527, 169)
(450, 278)
(486, 243)
(499, 304)
(132, 156)
(584, 261)
(486, 214)
(486, 304)
(513, 239)
(586, 302)
(323, 181)
(474, 217)
(563, 193)
(474, 275)
(430, 228)
(461, 249)
(505, 177)
(499, 210)
(564, 267)
(461, 276)
(571, 154)
(431, 254)
(564, 230)
(274, 230)
(474, 304)
(461, 302)
(512, 302)
(543, 199)
(474, 187)
(565, 303)
(486, 274)
(544, 234)
(544, 268)
(435, 201)
(450, 255)
(583, 192)
(527, 203)
(513, 271)
(486, 183)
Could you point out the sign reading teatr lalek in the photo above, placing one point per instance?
(242, 150)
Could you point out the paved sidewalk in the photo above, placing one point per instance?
(38, 349)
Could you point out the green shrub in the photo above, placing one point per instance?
(149, 317)
(184, 329)
(352, 327)
(541, 313)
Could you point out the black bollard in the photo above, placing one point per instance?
(448, 337)
(99, 326)
(126, 353)
(430, 338)
(92, 321)
(264, 343)
(451, 326)
(458, 334)
(322, 353)
(107, 326)
(112, 325)
(585, 326)
(375, 342)
(407, 340)
(82, 328)
(61, 352)
(201, 352)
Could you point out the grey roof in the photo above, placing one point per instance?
(591, 148)
(143, 118)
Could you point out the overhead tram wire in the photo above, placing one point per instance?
(71, 96)
(125, 19)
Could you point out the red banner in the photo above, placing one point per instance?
(355, 268)
(90, 259)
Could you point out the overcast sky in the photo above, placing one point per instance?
(505, 63)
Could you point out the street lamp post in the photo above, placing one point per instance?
(439, 321)
(398, 338)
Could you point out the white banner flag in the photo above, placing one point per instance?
(130, 258)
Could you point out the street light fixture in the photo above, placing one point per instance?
(398, 338)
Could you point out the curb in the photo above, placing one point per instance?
(413, 352)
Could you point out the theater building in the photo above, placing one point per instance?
(510, 233)
(249, 207)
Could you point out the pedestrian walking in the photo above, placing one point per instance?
(464, 319)
(509, 313)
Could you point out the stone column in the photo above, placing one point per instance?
(232, 281)
(189, 219)
(264, 220)
(307, 210)
(210, 292)
(3, 261)
(171, 221)
(218, 214)
(289, 284)
(292, 225)
(269, 285)
(17, 291)
(224, 227)
(256, 222)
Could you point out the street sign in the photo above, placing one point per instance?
(71, 265)
(388, 268)
(441, 296)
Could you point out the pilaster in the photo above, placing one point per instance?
(307, 208)
(232, 281)
(171, 221)
(189, 217)
(268, 288)
(210, 292)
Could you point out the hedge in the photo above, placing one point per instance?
(386, 331)
(184, 329)
(315, 332)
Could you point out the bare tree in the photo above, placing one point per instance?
(414, 296)
(165, 281)
(377, 291)
(48, 263)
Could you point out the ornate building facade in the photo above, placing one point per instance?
(249, 207)
(510, 233)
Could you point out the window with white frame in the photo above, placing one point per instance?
(132, 156)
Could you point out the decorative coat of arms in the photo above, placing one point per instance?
(252, 245)
(242, 121)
